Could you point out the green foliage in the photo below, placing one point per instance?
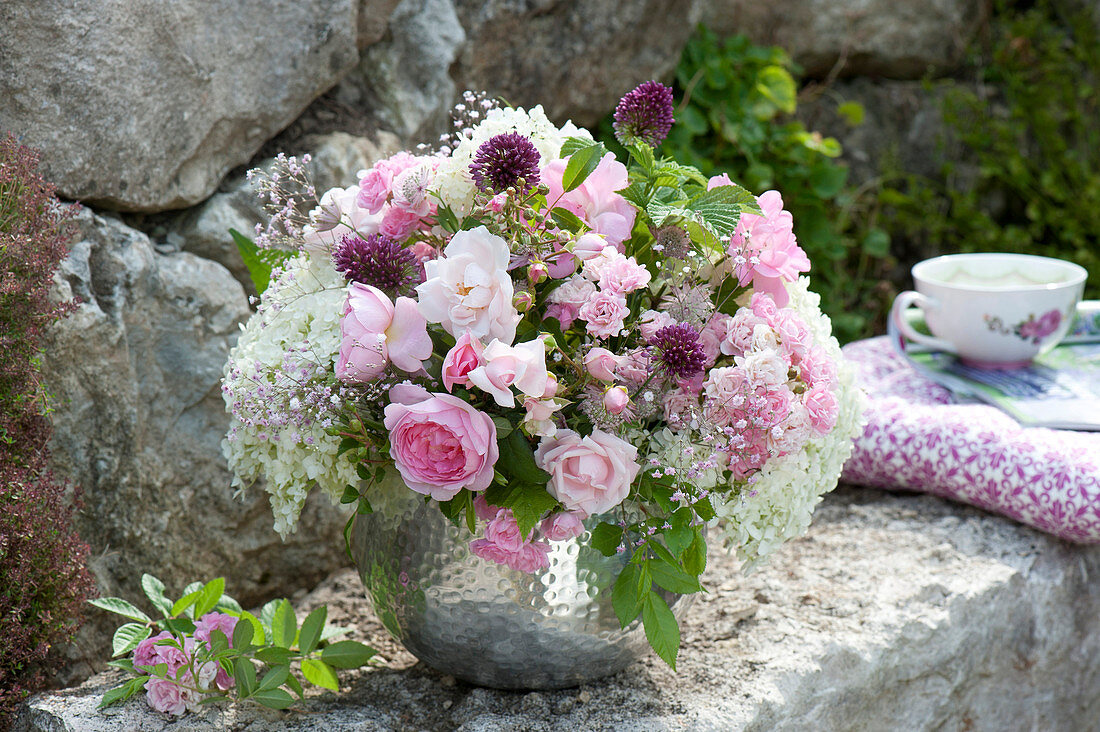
(1029, 178)
(260, 262)
(735, 118)
(274, 641)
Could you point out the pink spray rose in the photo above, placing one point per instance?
(165, 695)
(539, 419)
(652, 321)
(375, 331)
(616, 273)
(522, 366)
(822, 407)
(568, 298)
(398, 223)
(561, 526)
(148, 653)
(215, 621)
(441, 445)
(601, 363)
(589, 475)
(616, 399)
(376, 184)
(504, 544)
(765, 250)
(461, 360)
(794, 336)
(816, 368)
(605, 314)
(595, 201)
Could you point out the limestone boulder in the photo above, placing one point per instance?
(134, 375)
(895, 612)
(141, 105)
(899, 40)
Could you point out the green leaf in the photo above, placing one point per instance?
(274, 656)
(446, 218)
(311, 629)
(661, 629)
(528, 502)
(348, 443)
(347, 654)
(606, 538)
(259, 271)
(295, 686)
(629, 593)
(227, 604)
(672, 578)
(504, 427)
(826, 181)
(258, 637)
(209, 596)
(273, 698)
(185, 602)
(852, 112)
(180, 626)
(245, 674)
(643, 153)
(351, 494)
(274, 678)
(581, 164)
(877, 243)
(636, 194)
(267, 613)
(320, 674)
(243, 632)
(128, 636)
(573, 144)
(123, 692)
(119, 606)
(703, 509)
(517, 460)
(566, 219)
(776, 84)
(284, 626)
(154, 590)
(126, 664)
(695, 557)
(720, 208)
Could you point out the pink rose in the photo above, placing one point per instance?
(726, 392)
(567, 299)
(605, 314)
(680, 407)
(531, 556)
(374, 332)
(652, 321)
(635, 368)
(442, 445)
(411, 191)
(719, 180)
(794, 336)
(601, 363)
(483, 510)
(539, 419)
(616, 273)
(461, 360)
(522, 366)
(816, 368)
(763, 306)
(714, 335)
(589, 475)
(792, 433)
(149, 654)
(503, 531)
(616, 399)
(739, 332)
(765, 251)
(822, 407)
(398, 223)
(595, 201)
(374, 189)
(165, 695)
(562, 526)
(215, 621)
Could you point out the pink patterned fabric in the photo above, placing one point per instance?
(918, 438)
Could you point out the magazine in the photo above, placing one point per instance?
(1060, 389)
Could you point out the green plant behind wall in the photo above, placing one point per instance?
(735, 117)
(1028, 179)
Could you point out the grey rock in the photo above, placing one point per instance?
(204, 230)
(404, 80)
(576, 58)
(895, 612)
(900, 40)
(141, 105)
(138, 420)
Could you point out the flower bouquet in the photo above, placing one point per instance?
(545, 343)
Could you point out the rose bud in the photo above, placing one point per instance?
(616, 399)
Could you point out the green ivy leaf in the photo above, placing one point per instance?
(320, 674)
(128, 636)
(581, 164)
(284, 626)
(119, 606)
(154, 590)
(311, 630)
(661, 629)
(347, 654)
(606, 538)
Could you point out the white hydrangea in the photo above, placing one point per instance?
(788, 488)
(303, 304)
(453, 180)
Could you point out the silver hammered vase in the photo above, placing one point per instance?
(483, 622)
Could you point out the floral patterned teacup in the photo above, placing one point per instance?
(993, 310)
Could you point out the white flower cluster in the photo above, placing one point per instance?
(453, 180)
(300, 311)
(779, 504)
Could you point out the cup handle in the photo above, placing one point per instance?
(903, 302)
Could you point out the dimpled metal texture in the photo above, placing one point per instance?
(485, 623)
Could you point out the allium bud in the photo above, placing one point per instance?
(616, 399)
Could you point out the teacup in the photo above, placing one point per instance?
(995, 311)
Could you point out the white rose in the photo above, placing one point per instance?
(469, 288)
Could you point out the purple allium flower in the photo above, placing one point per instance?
(644, 114)
(503, 160)
(678, 348)
(378, 261)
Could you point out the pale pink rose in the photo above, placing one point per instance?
(635, 368)
(563, 525)
(764, 368)
(551, 385)
(566, 300)
(651, 321)
(442, 445)
(461, 360)
(605, 314)
(714, 335)
(354, 220)
(822, 407)
(503, 531)
(539, 420)
(589, 475)
(469, 287)
(766, 246)
(794, 336)
(148, 653)
(692, 384)
(522, 366)
(777, 404)
(764, 338)
(375, 331)
(602, 363)
(725, 392)
(586, 247)
(411, 190)
(719, 180)
(680, 407)
(740, 331)
(490, 551)
(792, 434)
(621, 275)
(165, 695)
(595, 201)
(496, 203)
(533, 556)
(214, 621)
(616, 399)
(763, 306)
(397, 223)
(376, 184)
(816, 368)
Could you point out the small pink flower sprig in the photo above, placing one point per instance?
(205, 649)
